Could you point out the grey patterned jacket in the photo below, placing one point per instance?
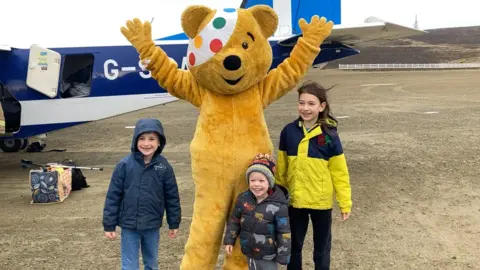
(264, 228)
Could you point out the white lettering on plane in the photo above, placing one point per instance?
(111, 69)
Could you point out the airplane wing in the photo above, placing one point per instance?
(372, 32)
(5, 48)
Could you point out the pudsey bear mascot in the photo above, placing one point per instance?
(228, 59)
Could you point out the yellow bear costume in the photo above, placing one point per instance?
(229, 56)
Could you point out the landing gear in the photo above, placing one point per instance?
(13, 145)
(25, 144)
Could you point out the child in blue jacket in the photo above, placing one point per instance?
(142, 187)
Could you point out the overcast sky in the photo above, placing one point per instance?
(32, 21)
(431, 13)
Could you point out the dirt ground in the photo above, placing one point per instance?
(413, 152)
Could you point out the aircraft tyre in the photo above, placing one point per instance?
(12, 145)
(25, 144)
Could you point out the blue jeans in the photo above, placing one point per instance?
(130, 244)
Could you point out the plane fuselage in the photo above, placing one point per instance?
(118, 85)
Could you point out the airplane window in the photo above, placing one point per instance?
(77, 76)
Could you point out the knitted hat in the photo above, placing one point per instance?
(265, 164)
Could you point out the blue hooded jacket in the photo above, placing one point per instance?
(139, 194)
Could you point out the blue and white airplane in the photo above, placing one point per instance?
(47, 89)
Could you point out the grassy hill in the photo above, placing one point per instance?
(460, 44)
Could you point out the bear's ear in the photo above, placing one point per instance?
(266, 18)
(192, 18)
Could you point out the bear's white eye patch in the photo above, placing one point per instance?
(213, 37)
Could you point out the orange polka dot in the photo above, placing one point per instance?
(198, 41)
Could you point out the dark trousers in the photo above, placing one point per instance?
(261, 264)
(322, 236)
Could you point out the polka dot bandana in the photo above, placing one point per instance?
(212, 38)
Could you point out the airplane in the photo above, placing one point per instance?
(43, 90)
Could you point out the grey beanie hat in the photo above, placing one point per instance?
(264, 164)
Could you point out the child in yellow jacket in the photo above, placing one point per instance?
(312, 165)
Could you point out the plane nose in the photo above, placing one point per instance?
(232, 62)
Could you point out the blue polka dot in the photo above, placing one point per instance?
(229, 10)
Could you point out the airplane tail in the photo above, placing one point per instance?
(291, 11)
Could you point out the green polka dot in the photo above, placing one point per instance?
(219, 23)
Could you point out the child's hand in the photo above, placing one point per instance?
(110, 235)
(345, 216)
(172, 233)
(229, 249)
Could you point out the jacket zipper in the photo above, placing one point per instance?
(254, 224)
(145, 168)
(139, 191)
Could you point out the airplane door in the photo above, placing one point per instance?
(43, 70)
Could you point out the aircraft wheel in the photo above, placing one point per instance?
(11, 145)
(24, 144)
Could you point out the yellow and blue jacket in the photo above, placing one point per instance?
(312, 165)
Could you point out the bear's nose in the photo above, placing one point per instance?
(232, 62)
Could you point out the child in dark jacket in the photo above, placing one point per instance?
(260, 218)
(142, 187)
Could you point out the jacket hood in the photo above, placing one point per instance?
(148, 125)
(280, 194)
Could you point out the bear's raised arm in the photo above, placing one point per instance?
(283, 78)
(179, 83)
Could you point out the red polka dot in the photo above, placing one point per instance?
(216, 45)
(191, 59)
